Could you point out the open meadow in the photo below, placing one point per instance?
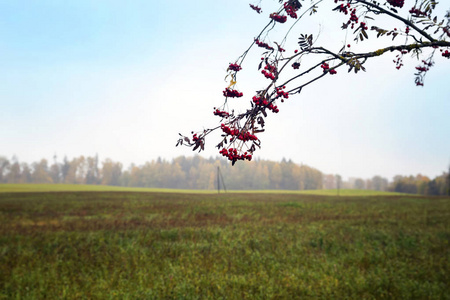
(165, 245)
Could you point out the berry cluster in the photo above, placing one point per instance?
(195, 138)
(407, 30)
(326, 68)
(268, 75)
(446, 30)
(259, 101)
(263, 45)
(247, 137)
(228, 130)
(353, 17)
(232, 93)
(422, 69)
(446, 53)
(417, 12)
(281, 93)
(296, 65)
(398, 62)
(269, 72)
(256, 8)
(290, 10)
(396, 3)
(399, 59)
(277, 18)
(232, 154)
(234, 67)
(364, 26)
(221, 113)
(342, 8)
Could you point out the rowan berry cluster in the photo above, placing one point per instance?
(353, 17)
(399, 59)
(326, 68)
(446, 30)
(396, 3)
(290, 10)
(296, 65)
(446, 53)
(247, 136)
(269, 72)
(268, 75)
(260, 101)
(281, 93)
(232, 155)
(398, 62)
(422, 69)
(417, 12)
(277, 18)
(221, 113)
(195, 138)
(234, 67)
(364, 26)
(263, 45)
(229, 130)
(407, 30)
(342, 8)
(232, 93)
(256, 8)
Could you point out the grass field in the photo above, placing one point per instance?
(129, 245)
(13, 188)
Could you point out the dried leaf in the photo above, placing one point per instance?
(232, 82)
(261, 121)
(364, 33)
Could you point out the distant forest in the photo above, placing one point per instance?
(200, 173)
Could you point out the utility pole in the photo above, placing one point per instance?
(338, 183)
(218, 180)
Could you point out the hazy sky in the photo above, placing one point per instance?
(122, 78)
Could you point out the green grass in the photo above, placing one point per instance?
(13, 188)
(123, 245)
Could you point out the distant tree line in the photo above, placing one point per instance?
(201, 173)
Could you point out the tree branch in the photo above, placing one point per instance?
(395, 16)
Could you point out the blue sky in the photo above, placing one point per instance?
(121, 79)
